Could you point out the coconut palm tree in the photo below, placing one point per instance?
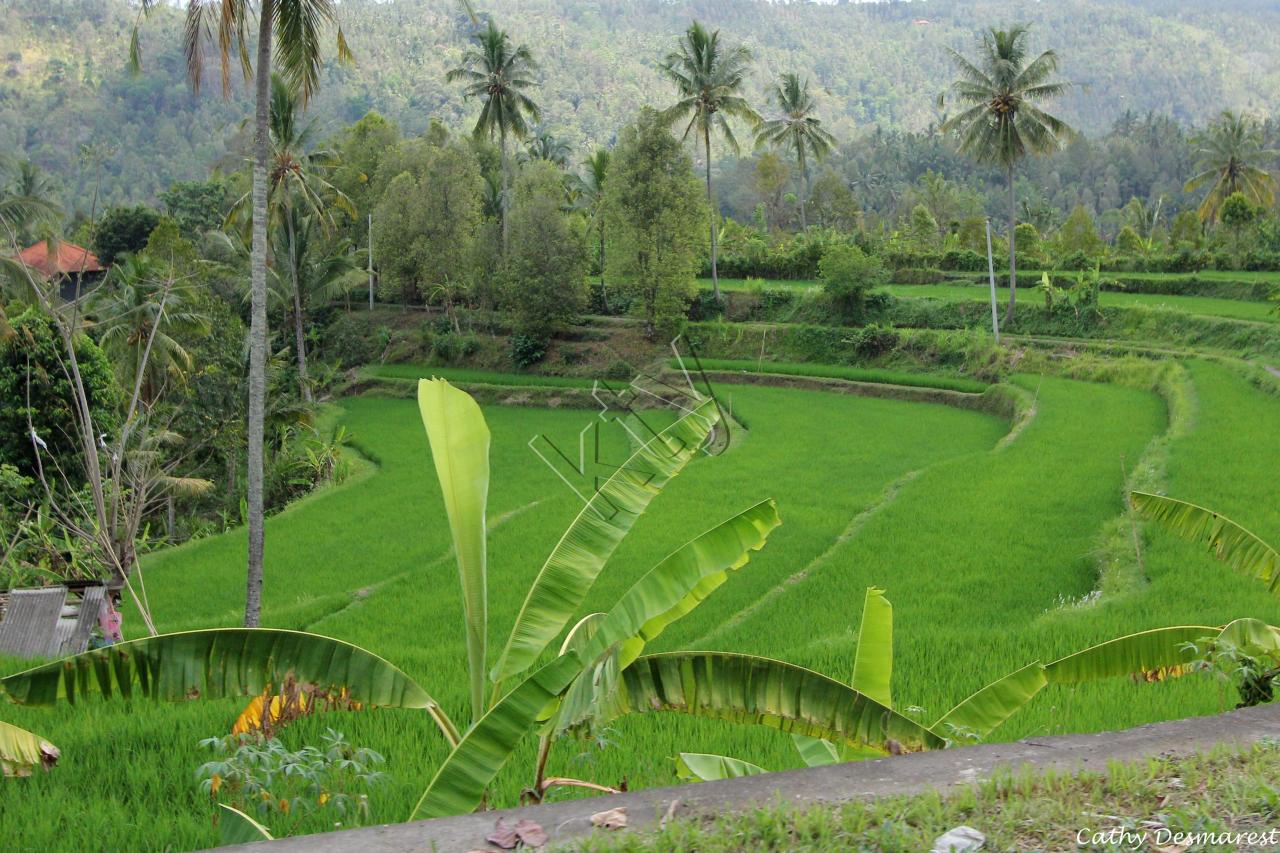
(1003, 121)
(499, 73)
(797, 128)
(709, 78)
(307, 269)
(137, 298)
(26, 201)
(1230, 155)
(589, 187)
(544, 146)
(291, 30)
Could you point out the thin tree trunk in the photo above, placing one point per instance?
(258, 317)
(715, 276)
(502, 202)
(1013, 261)
(604, 293)
(804, 172)
(299, 339)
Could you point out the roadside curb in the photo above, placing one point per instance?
(905, 774)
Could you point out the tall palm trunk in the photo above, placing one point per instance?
(299, 339)
(502, 202)
(706, 146)
(1013, 260)
(258, 316)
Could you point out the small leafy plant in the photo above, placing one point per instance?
(264, 778)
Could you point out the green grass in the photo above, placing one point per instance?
(853, 374)
(985, 553)
(467, 375)
(1224, 791)
(1205, 305)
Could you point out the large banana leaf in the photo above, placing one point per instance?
(978, 715)
(459, 440)
(873, 660)
(710, 768)
(1151, 654)
(610, 642)
(1229, 542)
(1252, 637)
(460, 783)
(221, 662)
(573, 566)
(681, 582)
(236, 827)
(761, 691)
(22, 751)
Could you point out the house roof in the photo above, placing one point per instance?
(66, 259)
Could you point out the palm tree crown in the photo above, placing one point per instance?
(1229, 153)
(709, 79)
(500, 74)
(1002, 122)
(797, 128)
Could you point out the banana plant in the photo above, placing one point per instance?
(1226, 540)
(975, 717)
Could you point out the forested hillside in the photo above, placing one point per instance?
(64, 83)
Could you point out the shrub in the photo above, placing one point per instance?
(618, 371)
(452, 347)
(963, 260)
(348, 341)
(847, 273)
(527, 350)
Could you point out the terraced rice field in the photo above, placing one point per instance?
(985, 566)
(1204, 305)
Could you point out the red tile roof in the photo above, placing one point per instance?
(68, 259)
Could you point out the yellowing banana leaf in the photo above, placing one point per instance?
(460, 783)
(681, 582)
(702, 767)
(22, 751)
(459, 440)
(1228, 541)
(977, 716)
(221, 662)
(761, 691)
(873, 661)
(236, 827)
(1151, 654)
(581, 553)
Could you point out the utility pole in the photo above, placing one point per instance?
(991, 271)
(371, 257)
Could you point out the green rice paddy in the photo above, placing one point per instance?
(988, 568)
(1204, 305)
(839, 371)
